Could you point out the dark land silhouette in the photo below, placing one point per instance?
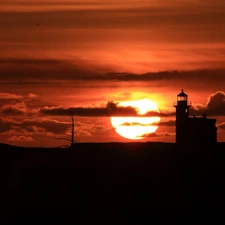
(119, 183)
(113, 183)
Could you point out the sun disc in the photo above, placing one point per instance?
(137, 127)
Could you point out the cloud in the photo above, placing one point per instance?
(39, 70)
(89, 129)
(43, 6)
(33, 127)
(221, 126)
(21, 138)
(48, 127)
(94, 128)
(6, 125)
(45, 125)
(14, 110)
(164, 123)
(215, 105)
(10, 96)
(110, 109)
(119, 37)
(160, 114)
(50, 70)
(135, 124)
(159, 134)
(124, 96)
(32, 96)
(18, 105)
(83, 133)
(90, 6)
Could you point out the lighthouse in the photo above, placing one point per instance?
(182, 114)
(192, 130)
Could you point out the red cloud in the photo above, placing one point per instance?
(21, 138)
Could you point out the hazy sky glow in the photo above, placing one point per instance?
(85, 54)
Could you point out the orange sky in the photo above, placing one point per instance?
(86, 53)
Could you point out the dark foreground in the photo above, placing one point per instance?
(113, 183)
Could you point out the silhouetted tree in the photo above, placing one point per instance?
(71, 136)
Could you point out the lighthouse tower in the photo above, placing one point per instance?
(182, 114)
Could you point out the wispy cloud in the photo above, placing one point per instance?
(160, 123)
(53, 70)
(9, 96)
(125, 36)
(21, 138)
(159, 134)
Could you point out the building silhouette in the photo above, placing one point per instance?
(192, 130)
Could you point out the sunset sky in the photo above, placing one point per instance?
(90, 55)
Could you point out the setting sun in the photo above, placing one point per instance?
(136, 127)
